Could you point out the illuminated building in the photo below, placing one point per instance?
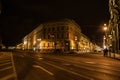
(64, 35)
(114, 25)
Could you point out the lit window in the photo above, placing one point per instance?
(75, 38)
(43, 44)
(48, 45)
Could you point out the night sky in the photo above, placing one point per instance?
(20, 17)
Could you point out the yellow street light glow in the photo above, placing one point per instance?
(104, 38)
(105, 28)
(105, 24)
(25, 42)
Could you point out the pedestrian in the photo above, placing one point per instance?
(105, 52)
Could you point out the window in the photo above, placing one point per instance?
(66, 27)
(48, 45)
(67, 35)
(62, 27)
(57, 28)
(43, 44)
(43, 36)
(49, 29)
(57, 36)
(62, 36)
(53, 29)
(49, 36)
(44, 29)
(76, 38)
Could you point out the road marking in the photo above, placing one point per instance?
(8, 77)
(6, 68)
(1, 53)
(13, 66)
(5, 64)
(69, 71)
(40, 58)
(90, 62)
(106, 64)
(39, 67)
(5, 60)
(66, 64)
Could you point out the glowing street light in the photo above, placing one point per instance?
(105, 24)
(105, 36)
(105, 27)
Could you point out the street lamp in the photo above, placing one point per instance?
(105, 36)
(105, 28)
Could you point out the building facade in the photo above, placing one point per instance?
(64, 35)
(114, 26)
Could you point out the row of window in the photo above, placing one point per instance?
(57, 28)
(55, 36)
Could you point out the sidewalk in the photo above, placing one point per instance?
(110, 55)
(114, 55)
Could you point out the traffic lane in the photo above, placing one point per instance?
(7, 69)
(106, 63)
(61, 72)
(51, 71)
(37, 74)
(5, 55)
(88, 71)
(78, 59)
(41, 70)
(23, 65)
(99, 69)
(58, 73)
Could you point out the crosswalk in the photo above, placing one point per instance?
(7, 68)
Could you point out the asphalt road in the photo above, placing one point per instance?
(66, 67)
(7, 69)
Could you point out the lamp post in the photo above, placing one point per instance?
(117, 39)
(105, 36)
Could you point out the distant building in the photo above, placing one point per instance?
(1, 44)
(19, 46)
(64, 35)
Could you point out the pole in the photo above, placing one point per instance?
(117, 39)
